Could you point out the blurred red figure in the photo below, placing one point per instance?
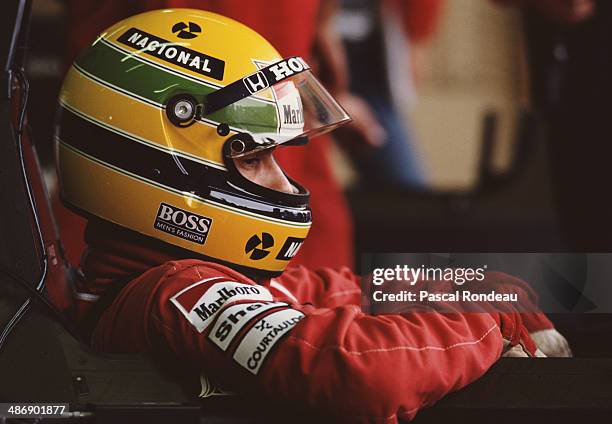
(330, 242)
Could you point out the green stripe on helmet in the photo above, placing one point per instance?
(132, 74)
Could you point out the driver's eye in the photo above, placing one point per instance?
(251, 162)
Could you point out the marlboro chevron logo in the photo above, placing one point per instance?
(201, 302)
(173, 52)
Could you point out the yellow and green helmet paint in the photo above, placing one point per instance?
(154, 111)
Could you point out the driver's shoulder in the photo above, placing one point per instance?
(185, 272)
(187, 276)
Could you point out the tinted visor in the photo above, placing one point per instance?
(281, 103)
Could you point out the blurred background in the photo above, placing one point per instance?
(478, 126)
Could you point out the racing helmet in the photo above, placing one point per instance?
(152, 116)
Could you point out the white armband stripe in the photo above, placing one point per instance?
(200, 303)
(236, 317)
(261, 338)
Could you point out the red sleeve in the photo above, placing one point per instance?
(533, 319)
(324, 288)
(333, 360)
(328, 287)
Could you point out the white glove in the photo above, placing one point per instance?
(517, 351)
(552, 343)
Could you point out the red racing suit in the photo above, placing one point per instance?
(300, 338)
(303, 338)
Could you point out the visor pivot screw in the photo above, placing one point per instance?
(223, 130)
(183, 110)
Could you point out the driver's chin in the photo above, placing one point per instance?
(294, 189)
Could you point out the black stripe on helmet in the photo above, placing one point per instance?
(167, 169)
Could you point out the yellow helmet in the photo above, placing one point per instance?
(154, 111)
